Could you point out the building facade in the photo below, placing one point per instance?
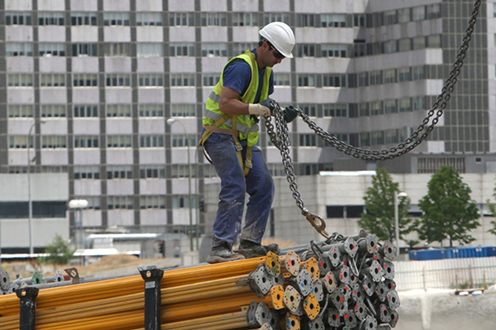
(89, 85)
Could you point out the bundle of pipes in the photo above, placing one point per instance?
(342, 283)
(194, 295)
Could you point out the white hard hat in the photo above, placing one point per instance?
(281, 36)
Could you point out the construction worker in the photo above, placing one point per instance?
(229, 136)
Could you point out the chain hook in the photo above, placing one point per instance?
(317, 222)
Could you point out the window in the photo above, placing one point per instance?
(210, 79)
(152, 202)
(389, 76)
(18, 18)
(182, 49)
(418, 13)
(85, 79)
(241, 47)
(120, 202)
(335, 110)
(51, 49)
(376, 138)
(152, 172)
(183, 110)
(334, 80)
(151, 110)
(418, 43)
(150, 79)
(181, 19)
(364, 109)
(307, 140)
(20, 79)
(119, 141)
(20, 110)
(19, 49)
(245, 19)
(306, 80)
(149, 19)
(217, 49)
(305, 20)
(182, 79)
(375, 77)
(179, 202)
(390, 106)
(333, 50)
(45, 209)
(86, 172)
(405, 104)
(364, 139)
(116, 19)
(85, 110)
(390, 46)
(52, 80)
(433, 11)
(117, 49)
(404, 15)
(53, 110)
(359, 20)
(180, 140)
(309, 109)
(213, 19)
(376, 108)
(404, 74)
(53, 141)
(83, 18)
(390, 17)
(359, 49)
(418, 103)
(363, 79)
(84, 49)
(51, 18)
(340, 137)
(418, 72)
(433, 165)
(333, 20)
(151, 141)
(405, 45)
(119, 172)
(305, 50)
(150, 49)
(276, 17)
(282, 79)
(118, 110)
(20, 141)
(86, 141)
(434, 41)
(391, 136)
(179, 171)
(334, 211)
(118, 80)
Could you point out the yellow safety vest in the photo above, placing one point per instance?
(241, 127)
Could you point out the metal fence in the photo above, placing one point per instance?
(464, 273)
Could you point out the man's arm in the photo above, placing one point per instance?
(229, 103)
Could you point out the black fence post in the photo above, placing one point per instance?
(27, 316)
(152, 276)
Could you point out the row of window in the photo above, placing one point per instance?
(92, 172)
(358, 49)
(85, 80)
(92, 110)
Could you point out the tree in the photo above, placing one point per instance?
(492, 208)
(448, 211)
(59, 251)
(379, 202)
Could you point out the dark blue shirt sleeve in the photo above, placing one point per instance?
(238, 76)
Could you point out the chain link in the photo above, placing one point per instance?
(282, 140)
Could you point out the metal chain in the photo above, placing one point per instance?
(282, 140)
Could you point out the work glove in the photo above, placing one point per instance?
(264, 108)
(290, 114)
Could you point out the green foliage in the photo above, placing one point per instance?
(449, 213)
(379, 201)
(59, 252)
(492, 208)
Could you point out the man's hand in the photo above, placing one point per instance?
(266, 108)
(269, 103)
(290, 113)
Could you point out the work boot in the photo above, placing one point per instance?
(223, 253)
(252, 250)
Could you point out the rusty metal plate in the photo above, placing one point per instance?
(311, 306)
(273, 264)
(291, 299)
(292, 322)
(277, 294)
(291, 263)
(329, 282)
(313, 268)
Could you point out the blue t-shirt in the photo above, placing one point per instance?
(238, 76)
